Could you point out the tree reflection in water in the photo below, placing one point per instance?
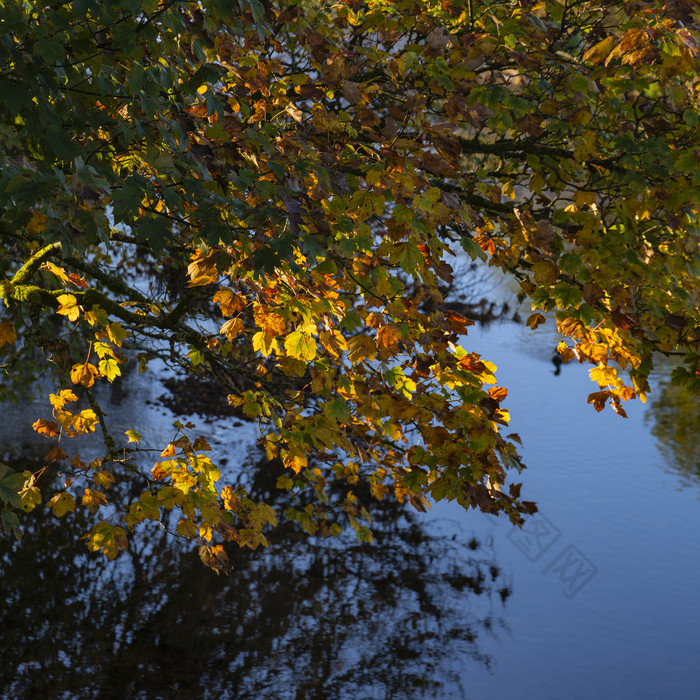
(675, 419)
(307, 618)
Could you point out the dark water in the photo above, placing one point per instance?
(597, 598)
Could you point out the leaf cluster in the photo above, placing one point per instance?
(271, 195)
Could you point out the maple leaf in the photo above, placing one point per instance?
(10, 484)
(598, 399)
(264, 343)
(93, 500)
(85, 421)
(108, 368)
(62, 398)
(44, 427)
(107, 538)
(133, 436)
(37, 223)
(7, 333)
(62, 503)
(295, 462)
(535, 320)
(361, 347)
(30, 496)
(68, 306)
(55, 455)
(84, 374)
(232, 328)
(388, 337)
(300, 345)
(116, 333)
(229, 302)
(103, 478)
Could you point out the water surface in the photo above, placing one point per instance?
(599, 601)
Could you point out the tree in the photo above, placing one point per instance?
(270, 194)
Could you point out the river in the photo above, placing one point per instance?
(596, 598)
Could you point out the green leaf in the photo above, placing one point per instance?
(337, 408)
(10, 484)
(472, 249)
(133, 436)
(300, 345)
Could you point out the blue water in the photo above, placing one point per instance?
(633, 629)
(603, 597)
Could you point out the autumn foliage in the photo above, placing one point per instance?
(271, 194)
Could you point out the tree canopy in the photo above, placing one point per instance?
(271, 193)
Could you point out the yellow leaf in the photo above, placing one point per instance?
(103, 478)
(295, 462)
(63, 397)
(264, 343)
(334, 342)
(68, 306)
(231, 500)
(133, 436)
(30, 495)
(62, 503)
(110, 368)
(37, 223)
(103, 350)
(85, 421)
(229, 302)
(8, 334)
(361, 347)
(84, 374)
(604, 376)
(107, 538)
(300, 345)
(116, 333)
(232, 328)
(93, 500)
(600, 50)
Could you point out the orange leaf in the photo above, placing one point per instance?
(457, 323)
(295, 462)
(8, 334)
(93, 500)
(169, 451)
(498, 393)
(535, 320)
(271, 323)
(45, 427)
(388, 336)
(229, 302)
(361, 347)
(55, 455)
